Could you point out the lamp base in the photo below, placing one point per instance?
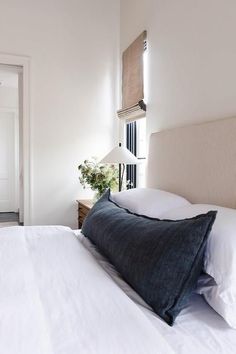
(121, 175)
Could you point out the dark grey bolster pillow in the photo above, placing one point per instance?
(160, 259)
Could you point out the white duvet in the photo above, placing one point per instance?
(56, 299)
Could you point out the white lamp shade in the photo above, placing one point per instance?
(120, 155)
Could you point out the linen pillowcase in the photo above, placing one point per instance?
(220, 258)
(160, 259)
(147, 201)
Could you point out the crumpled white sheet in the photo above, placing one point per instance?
(56, 299)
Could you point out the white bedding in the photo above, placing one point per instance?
(197, 330)
(58, 296)
(56, 299)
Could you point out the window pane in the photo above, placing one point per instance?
(136, 143)
(131, 144)
(141, 138)
(141, 152)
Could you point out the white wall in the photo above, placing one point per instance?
(73, 48)
(191, 58)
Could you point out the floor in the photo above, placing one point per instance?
(7, 224)
(9, 219)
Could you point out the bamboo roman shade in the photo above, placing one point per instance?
(133, 106)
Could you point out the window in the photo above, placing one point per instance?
(136, 137)
(133, 111)
(141, 152)
(131, 144)
(136, 143)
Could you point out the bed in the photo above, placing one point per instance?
(59, 295)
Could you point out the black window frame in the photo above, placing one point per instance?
(131, 144)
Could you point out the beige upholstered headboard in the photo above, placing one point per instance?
(196, 161)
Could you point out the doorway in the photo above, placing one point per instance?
(11, 186)
(23, 63)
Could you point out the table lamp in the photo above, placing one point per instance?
(121, 156)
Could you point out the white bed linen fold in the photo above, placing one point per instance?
(56, 299)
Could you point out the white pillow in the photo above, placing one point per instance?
(220, 258)
(149, 202)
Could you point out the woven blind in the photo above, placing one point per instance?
(132, 79)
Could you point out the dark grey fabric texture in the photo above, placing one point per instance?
(160, 259)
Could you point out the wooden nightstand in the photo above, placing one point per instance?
(84, 205)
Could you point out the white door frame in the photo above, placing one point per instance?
(24, 62)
